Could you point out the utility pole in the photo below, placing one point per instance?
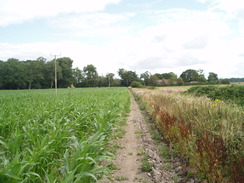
(56, 81)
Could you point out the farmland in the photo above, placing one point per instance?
(207, 134)
(58, 138)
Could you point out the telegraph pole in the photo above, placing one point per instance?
(56, 81)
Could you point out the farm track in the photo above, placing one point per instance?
(136, 144)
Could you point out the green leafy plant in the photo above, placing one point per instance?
(46, 137)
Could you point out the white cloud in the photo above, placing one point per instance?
(15, 11)
(234, 8)
(184, 39)
(93, 24)
(174, 40)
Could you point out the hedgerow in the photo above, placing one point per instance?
(230, 94)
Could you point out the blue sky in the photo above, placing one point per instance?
(141, 35)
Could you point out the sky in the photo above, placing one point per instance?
(158, 36)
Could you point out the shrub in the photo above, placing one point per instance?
(136, 84)
(230, 94)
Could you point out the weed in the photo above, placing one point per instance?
(167, 166)
(164, 152)
(141, 152)
(146, 166)
(113, 166)
(121, 178)
(206, 133)
(175, 177)
(142, 106)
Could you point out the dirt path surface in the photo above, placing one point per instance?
(136, 144)
(128, 158)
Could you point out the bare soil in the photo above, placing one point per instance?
(136, 144)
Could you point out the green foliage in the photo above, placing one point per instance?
(136, 84)
(236, 79)
(213, 78)
(58, 138)
(231, 94)
(127, 77)
(15, 74)
(121, 178)
(189, 75)
(145, 77)
(146, 166)
(153, 80)
(224, 81)
(91, 76)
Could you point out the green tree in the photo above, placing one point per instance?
(189, 75)
(145, 77)
(2, 72)
(78, 76)
(224, 81)
(35, 72)
(201, 79)
(153, 80)
(127, 77)
(179, 81)
(14, 74)
(49, 73)
(66, 69)
(91, 76)
(169, 75)
(116, 82)
(109, 78)
(212, 77)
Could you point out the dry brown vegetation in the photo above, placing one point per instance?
(208, 134)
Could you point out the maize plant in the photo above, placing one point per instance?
(46, 137)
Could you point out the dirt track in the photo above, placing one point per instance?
(137, 143)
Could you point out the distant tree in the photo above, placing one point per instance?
(189, 75)
(201, 79)
(127, 77)
(169, 75)
(159, 76)
(212, 77)
(102, 81)
(179, 81)
(224, 81)
(109, 78)
(14, 75)
(236, 79)
(66, 69)
(78, 76)
(116, 82)
(153, 80)
(136, 84)
(35, 72)
(91, 76)
(2, 72)
(49, 73)
(145, 77)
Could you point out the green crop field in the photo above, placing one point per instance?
(58, 138)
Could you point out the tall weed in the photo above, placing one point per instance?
(207, 133)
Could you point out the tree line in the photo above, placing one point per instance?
(39, 73)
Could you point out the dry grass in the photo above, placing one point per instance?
(207, 133)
